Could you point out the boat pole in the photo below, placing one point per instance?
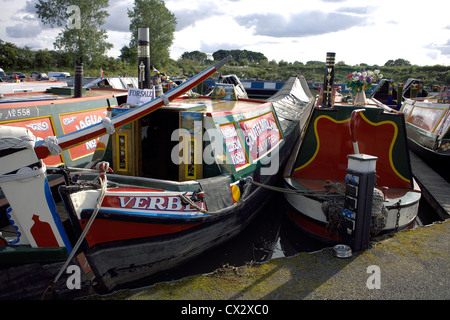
(399, 95)
(78, 93)
(327, 89)
(143, 58)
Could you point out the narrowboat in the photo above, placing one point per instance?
(8, 88)
(393, 95)
(322, 200)
(427, 127)
(55, 111)
(182, 181)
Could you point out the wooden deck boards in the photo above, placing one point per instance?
(434, 188)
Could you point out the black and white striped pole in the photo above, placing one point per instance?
(144, 80)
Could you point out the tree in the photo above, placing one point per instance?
(154, 15)
(25, 58)
(238, 55)
(43, 59)
(397, 63)
(195, 55)
(82, 37)
(8, 54)
(128, 54)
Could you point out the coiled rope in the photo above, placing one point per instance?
(51, 142)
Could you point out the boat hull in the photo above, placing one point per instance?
(319, 165)
(427, 127)
(438, 161)
(122, 262)
(306, 214)
(164, 238)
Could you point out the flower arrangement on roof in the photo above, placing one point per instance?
(360, 81)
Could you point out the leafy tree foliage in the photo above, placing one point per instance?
(82, 37)
(154, 15)
(13, 58)
(238, 55)
(195, 55)
(397, 63)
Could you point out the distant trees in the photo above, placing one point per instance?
(195, 55)
(397, 63)
(13, 58)
(238, 55)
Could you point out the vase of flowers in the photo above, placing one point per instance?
(359, 82)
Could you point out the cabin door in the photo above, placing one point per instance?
(126, 149)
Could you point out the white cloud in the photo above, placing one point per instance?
(357, 30)
(23, 30)
(300, 24)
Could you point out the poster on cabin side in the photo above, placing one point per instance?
(425, 118)
(234, 146)
(72, 122)
(261, 134)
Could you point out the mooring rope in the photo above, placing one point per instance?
(51, 142)
(104, 166)
(323, 193)
(249, 181)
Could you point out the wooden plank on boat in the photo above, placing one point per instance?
(434, 188)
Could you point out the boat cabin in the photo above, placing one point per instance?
(194, 138)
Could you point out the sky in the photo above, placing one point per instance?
(358, 31)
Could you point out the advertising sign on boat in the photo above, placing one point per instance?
(261, 134)
(234, 146)
(425, 118)
(72, 122)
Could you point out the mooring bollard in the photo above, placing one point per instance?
(360, 182)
